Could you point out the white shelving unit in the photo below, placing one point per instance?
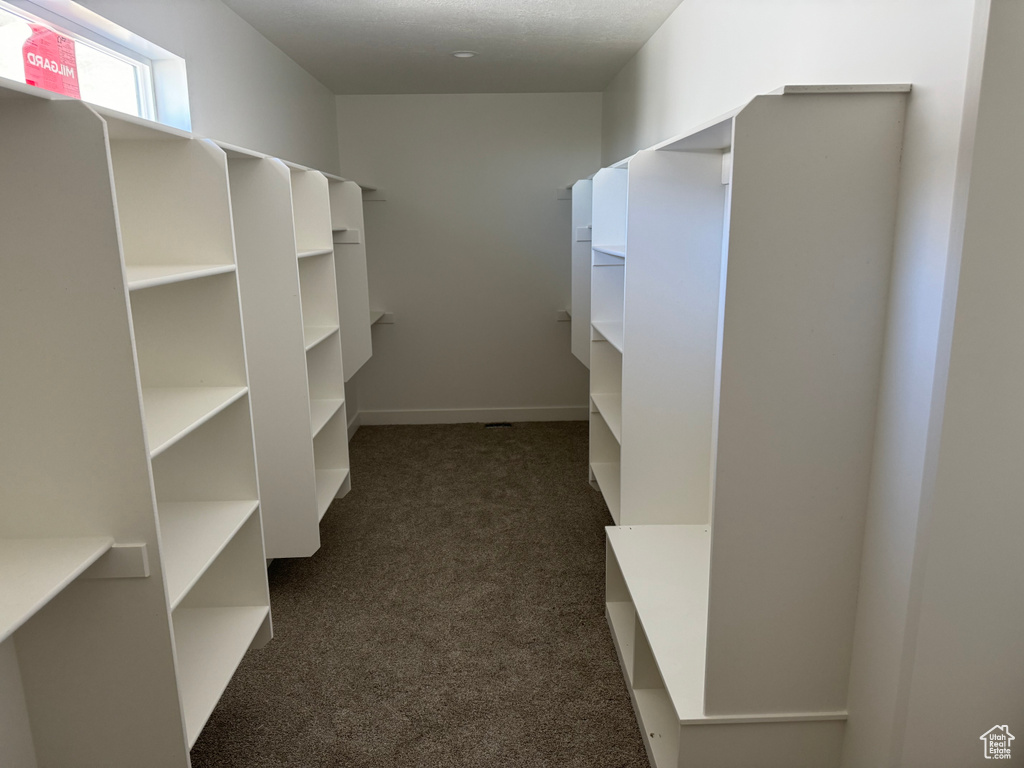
(286, 273)
(759, 251)
(128, 449)
(318, 291)
(582, 209)
(355, 317)
(607, 265)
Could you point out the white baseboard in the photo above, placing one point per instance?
(353, 425)
(473, 415)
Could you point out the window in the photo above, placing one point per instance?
(62, 47)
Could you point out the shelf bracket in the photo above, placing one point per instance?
(121, 561)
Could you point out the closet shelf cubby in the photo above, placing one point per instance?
(194, 533)
(610, 331)
(609, 405)
(321, 412)
(328, 482)
(211, 641)
(315, 334)
(174, 412)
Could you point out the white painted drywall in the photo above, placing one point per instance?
(470, 251)
(964, 672)
(242, 89)
(712, 55)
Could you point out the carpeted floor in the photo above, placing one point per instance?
(454, 616)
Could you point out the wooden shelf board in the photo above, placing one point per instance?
(666, 569)
(193, 534)
(610, 407)
(173, 412)
(314, 334)
(618, 251)
(140, 277)
(321, 412)
(34, 571)
(315, 252)
(328, 481)
(210, 643)
(610, 331)
(608, 480)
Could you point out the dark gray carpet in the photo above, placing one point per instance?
(454, 616)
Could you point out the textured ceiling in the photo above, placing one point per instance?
(404, 46)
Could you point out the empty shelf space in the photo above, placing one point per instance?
(210, 643)
(173, 412)
(666, 570)
(34, 571)
(610, 331)
(608, 480)
(622, 622)
(660, 726)
(193, 534)
(140, 277)
(314, 334)
(619, 251)
(328, 482)
(610, 407)
(321, 411)
(316, 252)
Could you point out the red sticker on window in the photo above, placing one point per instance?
(50, 62)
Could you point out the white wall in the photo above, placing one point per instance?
(470, 251)
(242, 89)
(964, 673)
(712, 55)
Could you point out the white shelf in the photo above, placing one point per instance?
(321, 412)
(619, 251)
(34, 571)
(173, 412)
(610, 331)
(314, 334)
(607, 476)
(610, 407)
(666, 570)
(328, 482)
(316, 252)
(375, 317)
(210, 643)
(193, 534)
(142, 276)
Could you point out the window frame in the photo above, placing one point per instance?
(161, 79)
